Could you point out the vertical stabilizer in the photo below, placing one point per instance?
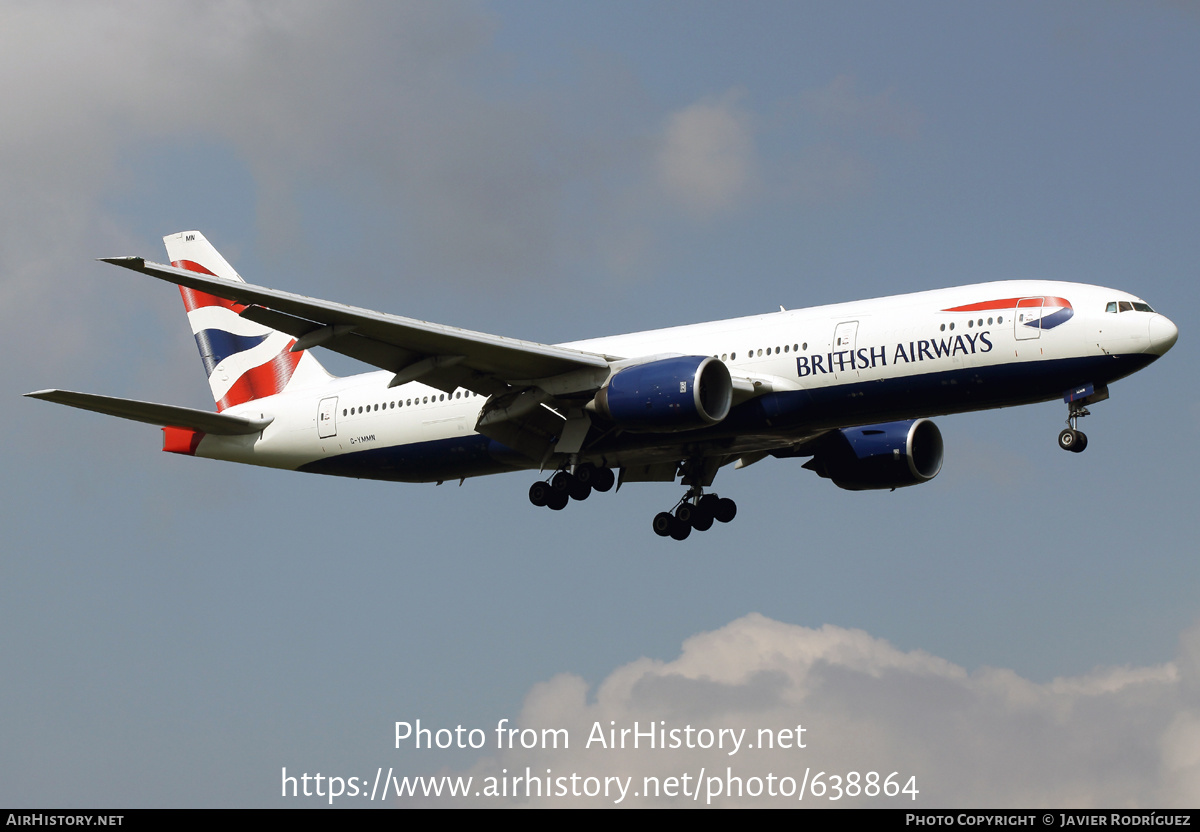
(244, 360)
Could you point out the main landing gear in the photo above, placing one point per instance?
(695, 511)
(566, 486)
(1072, 439)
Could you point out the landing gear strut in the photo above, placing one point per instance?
(1072, 439)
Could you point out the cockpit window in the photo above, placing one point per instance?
(1128, 306)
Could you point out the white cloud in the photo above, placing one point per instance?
(707, 161)
(404, 112)
(384, 105)
(1118, 737)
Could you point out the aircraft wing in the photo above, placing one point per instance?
(441, 356)
(164, 415)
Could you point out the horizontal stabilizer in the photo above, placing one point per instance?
(164, 415)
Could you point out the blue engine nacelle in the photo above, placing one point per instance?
(671, 394)
(891, 455)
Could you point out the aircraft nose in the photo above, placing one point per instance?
(1163, 335)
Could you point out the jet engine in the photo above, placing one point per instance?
(670, 394)
(890, 455)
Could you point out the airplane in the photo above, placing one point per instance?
(851, 386)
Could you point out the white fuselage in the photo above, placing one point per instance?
(824, 367)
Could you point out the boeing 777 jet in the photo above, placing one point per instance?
(849, 386)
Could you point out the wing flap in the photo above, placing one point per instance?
(163, 415)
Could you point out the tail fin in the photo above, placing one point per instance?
(244, 360)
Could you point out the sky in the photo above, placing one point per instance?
(1023, 631)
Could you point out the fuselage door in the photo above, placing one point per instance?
(327, 418)
(1027, 321)
(845, 335)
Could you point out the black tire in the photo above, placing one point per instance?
(603, 480)
(579, 490)
(726, 510)
(557, 500)
(662, 523)
(1080, 442)
(708, 504)
(561, 482)
(684, 513)
(679, 529)
(701, 520)
(538, 492)
(586, 473)
(1068, 439)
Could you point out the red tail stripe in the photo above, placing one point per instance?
(267, 379)
(194, 299)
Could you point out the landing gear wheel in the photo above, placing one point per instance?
(561, 482)
(679, 529)
(662, 523)
(579, 490)
(1072, 440)
(726, 510)
(694, 516)
(538, 492)
(603, 479)
(557, 500)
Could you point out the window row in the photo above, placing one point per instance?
(971, 324)
(401, 403)
(732, 356)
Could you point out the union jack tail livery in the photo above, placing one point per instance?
(244, 360)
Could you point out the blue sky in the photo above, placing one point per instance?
(179, 630)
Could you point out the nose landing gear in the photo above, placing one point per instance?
(1072, 439)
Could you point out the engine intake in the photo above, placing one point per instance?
(890, 455)
(671, 394)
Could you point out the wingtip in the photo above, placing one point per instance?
(126, 262)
